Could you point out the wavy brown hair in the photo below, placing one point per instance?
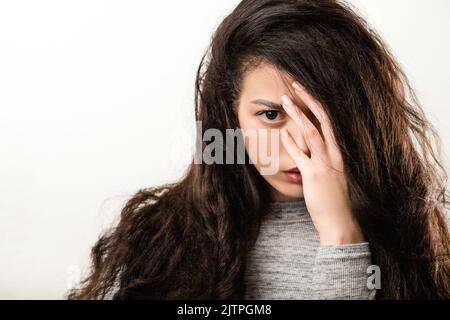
(189, 239)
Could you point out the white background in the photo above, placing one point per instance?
(96, 101)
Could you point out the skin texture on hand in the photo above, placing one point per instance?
(324, 182)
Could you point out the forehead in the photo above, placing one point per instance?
(264, 80)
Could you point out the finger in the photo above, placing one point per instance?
(299, 139)
(298, 136)
(318, 111)
(312, 136)
(300, 158)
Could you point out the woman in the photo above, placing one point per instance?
(357, 154)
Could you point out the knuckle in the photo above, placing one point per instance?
(298, 154)
(318, 173)
(312, 132)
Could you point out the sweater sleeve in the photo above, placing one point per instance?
(341, 272)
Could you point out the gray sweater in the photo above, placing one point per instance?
(288, 262)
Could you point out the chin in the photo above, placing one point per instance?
(293, 196)
(289, 191)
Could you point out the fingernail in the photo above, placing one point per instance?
(286, 100)
(297, 86)
(284, 133)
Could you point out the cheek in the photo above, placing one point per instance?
(252, 141)
(263, 146)
(274, 144)
(262, 143)
(250, 129)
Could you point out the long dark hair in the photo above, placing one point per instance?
(189, 239)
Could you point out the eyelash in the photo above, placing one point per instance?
(267, 111)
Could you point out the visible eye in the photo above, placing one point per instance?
(270, 115)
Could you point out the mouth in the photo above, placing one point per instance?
(293, 175)
(293, 170)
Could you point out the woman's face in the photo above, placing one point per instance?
(265, 83)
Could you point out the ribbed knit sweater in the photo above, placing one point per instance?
(288, 262)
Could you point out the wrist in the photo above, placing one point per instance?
(352, 234)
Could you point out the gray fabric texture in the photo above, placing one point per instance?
(288, 262)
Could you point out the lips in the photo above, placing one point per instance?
(293, 176)
(293, 170)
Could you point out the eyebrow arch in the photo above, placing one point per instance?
(269, 104)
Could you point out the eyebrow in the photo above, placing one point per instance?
(269, 104)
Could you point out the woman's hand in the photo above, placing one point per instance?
(324, 182)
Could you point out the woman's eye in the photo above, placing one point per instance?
(270, 115)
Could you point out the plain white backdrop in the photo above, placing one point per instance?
(97, 101)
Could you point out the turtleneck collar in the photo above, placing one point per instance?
(287, 205)
(289, 210)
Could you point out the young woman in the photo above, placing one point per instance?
(358, 173)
